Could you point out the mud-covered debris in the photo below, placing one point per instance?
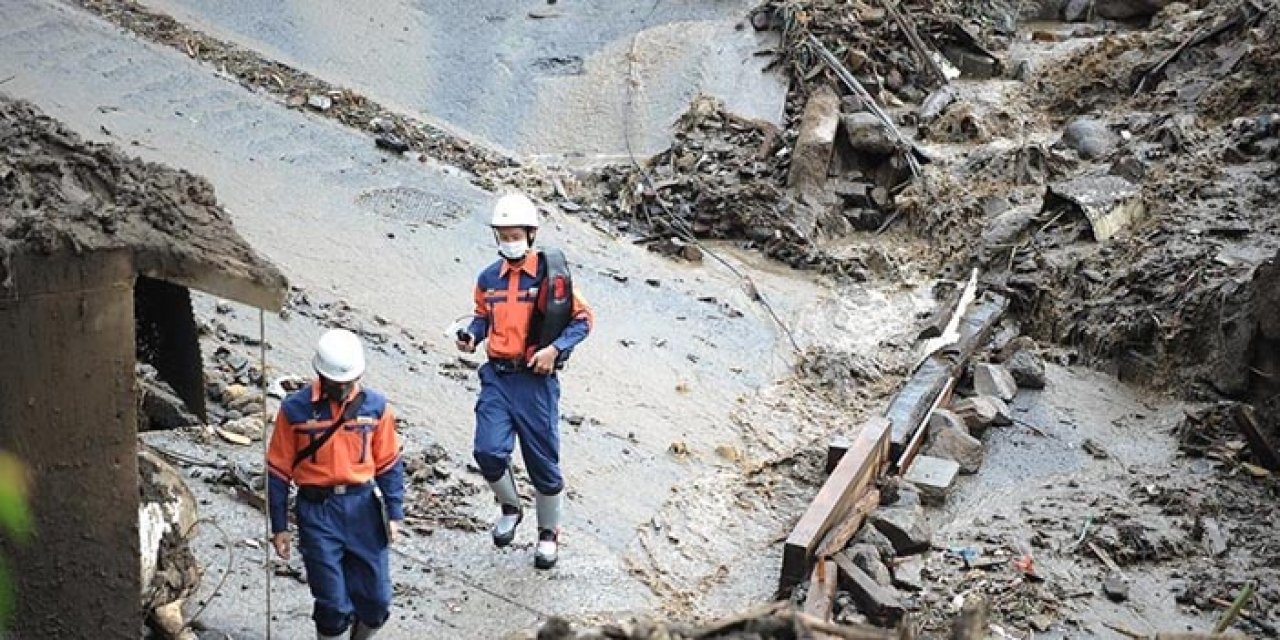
(1111, 203)
(867, 558)
(161, 406)
(319, 102)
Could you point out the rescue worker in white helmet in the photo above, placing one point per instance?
(336, 441)
(530, 319)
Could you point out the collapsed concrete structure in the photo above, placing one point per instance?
(97, 253)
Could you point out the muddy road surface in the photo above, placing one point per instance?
(679, 349)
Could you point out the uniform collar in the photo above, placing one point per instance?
(315, 391)
(529, 265)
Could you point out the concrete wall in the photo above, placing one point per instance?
(67, 408)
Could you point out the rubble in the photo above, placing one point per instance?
(1111, 203)
(933, 476)
(994, 380)
(980, 412)
(955, 444)
(1027, 369)
(1090, 138)
(905, 527)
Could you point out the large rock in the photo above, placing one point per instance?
(958, 446)
(980, 412)
(942, 419)
(1090, 138)
(867, 558)
(1027, 369)
(812, 154)
(904, 526)
(162, 408)
(866, 134)
(907, 573)
(994, 380)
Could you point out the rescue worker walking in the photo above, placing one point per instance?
(531, 319)
(337, 442)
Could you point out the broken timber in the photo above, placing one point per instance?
(1262, 449)
(821, 599)
(857, 469)
(913, 404)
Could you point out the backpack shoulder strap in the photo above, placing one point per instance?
(346, 412)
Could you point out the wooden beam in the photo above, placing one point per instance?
(858, 468)
(821, 599)
(841, 534)
(877, 602)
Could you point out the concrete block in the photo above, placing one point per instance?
(933, 476)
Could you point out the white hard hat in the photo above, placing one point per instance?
(339, 356)
(515, 210)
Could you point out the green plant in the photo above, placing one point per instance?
(15, 522)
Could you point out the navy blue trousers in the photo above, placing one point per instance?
(525, 405)
(344, 548)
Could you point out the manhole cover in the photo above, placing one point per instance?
(414, 206)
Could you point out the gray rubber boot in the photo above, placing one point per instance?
(361, 632)
(504, 489)
(549, 513)
(321, 636)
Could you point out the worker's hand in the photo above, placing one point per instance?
(544, 361)
(281, 542)
(468, 345)
(394, 526)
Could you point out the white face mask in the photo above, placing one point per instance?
(513, 250)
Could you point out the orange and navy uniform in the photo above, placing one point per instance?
(505, 296)
(364, 448)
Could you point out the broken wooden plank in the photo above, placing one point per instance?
(841, 534)
(877, 602)
(941, 315)
(858, 468)
(821, 599)
(1261, 448)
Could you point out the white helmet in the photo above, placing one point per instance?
(515, 210)
(339, 356)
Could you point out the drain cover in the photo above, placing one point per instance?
(414, 206)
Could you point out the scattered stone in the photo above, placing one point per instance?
(907, 573)
(895, 491)
(1128, 9)
(1211, 536)
(319, 102)
(942, 419)
(391, 143)
(1027, 369)
(1077, 10)
(904, 526)
(1090, 138)
(994, 380)
(955, 444)
(872, 536)
(934, 105)
(1040, 622)
(1094, 449)
(980, 412)
(867, 558)
(1116, 588)
(234, 438)
(866, 134)
(250, 427)
(223, 307)
(934, 477)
